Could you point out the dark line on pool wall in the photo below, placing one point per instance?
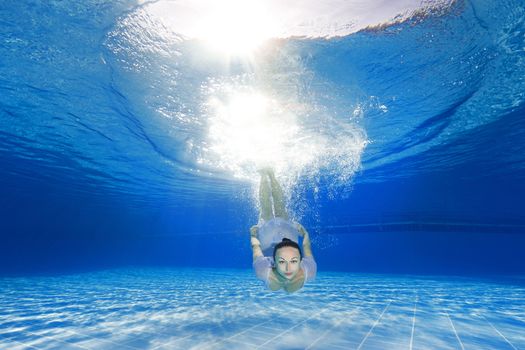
(414, 225)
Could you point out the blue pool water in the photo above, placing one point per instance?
(131, 133)
(226, 309)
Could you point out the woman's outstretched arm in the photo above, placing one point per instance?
(307, 248)
(256, 245)
(308, 263)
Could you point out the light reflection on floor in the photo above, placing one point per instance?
(229, 309)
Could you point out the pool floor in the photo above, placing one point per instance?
(229, 309)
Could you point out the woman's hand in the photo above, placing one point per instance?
(307, 250)
(254, 230)
(302, 231)
(256, 245)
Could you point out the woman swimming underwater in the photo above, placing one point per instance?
(277, 257)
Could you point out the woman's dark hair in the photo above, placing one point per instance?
(287, 243)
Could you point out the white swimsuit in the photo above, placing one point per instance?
(272, 232)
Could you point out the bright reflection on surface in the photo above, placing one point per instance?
(238, 26)
(234, 26)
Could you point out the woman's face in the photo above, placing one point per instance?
(287, 261)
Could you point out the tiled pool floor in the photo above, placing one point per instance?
(229, 309)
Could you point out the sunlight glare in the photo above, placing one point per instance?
(236, 27)
(251, 129)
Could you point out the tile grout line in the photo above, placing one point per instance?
(288, 330)
(373, 326)
(174, 341)
(131, 338)
(243, 343)
(323, 335)
(328, 330)
(455, 331)
(413, 323)
(55, 339)
(192, 334)
(335, 346)
(236, 334)
(24, 344)
(99, 339)
(499, 333)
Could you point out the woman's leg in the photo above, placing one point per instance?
(265, 200)
(278, 197)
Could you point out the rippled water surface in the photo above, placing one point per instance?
(119, 95)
